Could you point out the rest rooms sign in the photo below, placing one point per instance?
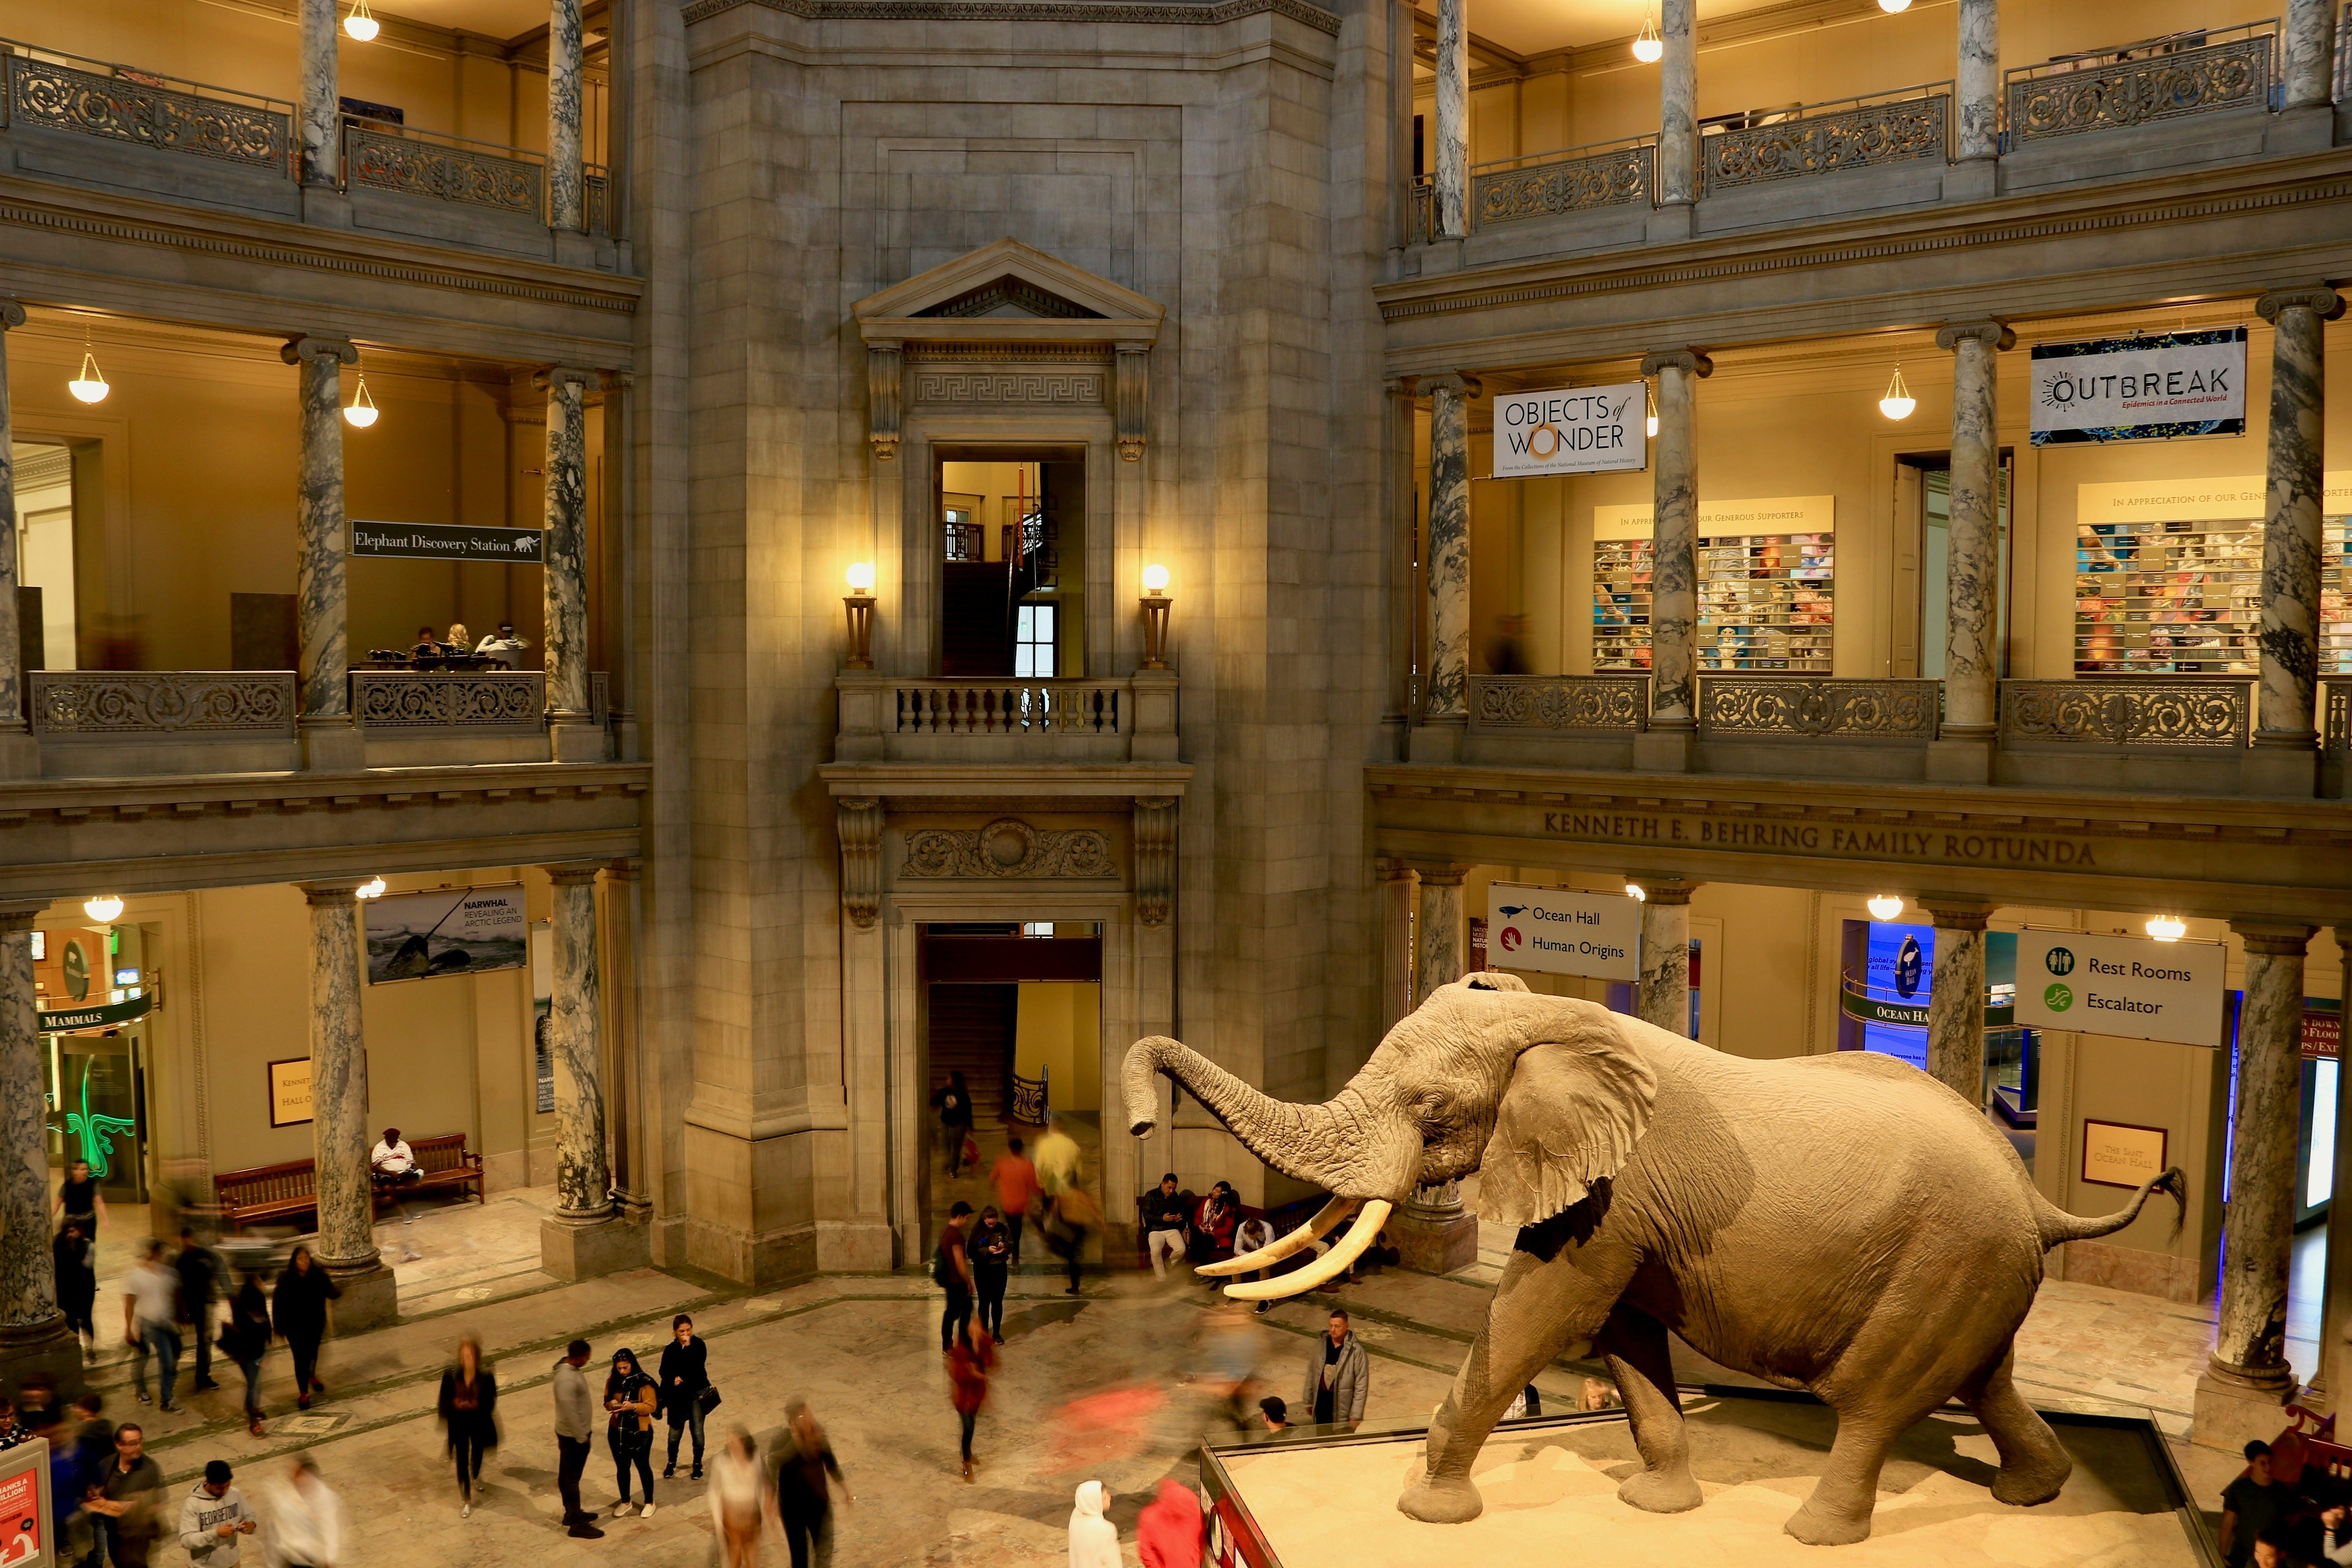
(433, 542)
(2123, 985)
(1551, 931)
(2140, 389)
(1579, 430)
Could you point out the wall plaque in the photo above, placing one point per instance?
(2118, 1154)
(290, 1092)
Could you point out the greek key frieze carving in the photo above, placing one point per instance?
(1008, 387)
(1010, 847)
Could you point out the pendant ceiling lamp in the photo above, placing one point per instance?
(1648, 47)
(1899, 403)
(362, 26)
(89, 385)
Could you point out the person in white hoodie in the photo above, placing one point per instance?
(214, 1520)
(1094, 1540)
(306, 1518)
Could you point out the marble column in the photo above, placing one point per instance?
(1397, 882)
(1439, 929)
(1972, 574)
(2310, 63)
(1664, 994)
(320, 111)
(632, 1147)
(565, 206)
(2247, 1378)
(19, 758)
(1678, 183)
(1445, 675)
(2286, 741)
(2334, 1377)
(341, 1136)
(572, 735)
(585, 1236)
(1674, 542)
(1978, 84)
(32, 1333)
(1449, 216)
(1956, 997)
(322, 606)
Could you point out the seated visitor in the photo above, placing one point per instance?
(502, 646)
(427, 644)
(1167, 1219)
(460, 639)
(392, 1160)
(1212, 1228)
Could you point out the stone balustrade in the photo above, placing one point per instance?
(885, 718)
(2139, 84)
(1814, 707)
(1560, 703)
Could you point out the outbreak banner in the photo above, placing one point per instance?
(1579, 430)
(2138, 389)
(461, 931)
(2123, 985)
(1552, 931)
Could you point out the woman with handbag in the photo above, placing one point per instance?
(300, 1308)
(470, 1406)
(630, 1398)
(246, 1339)
(686, 1392)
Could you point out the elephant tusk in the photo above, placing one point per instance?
(1325, 1221)
(1332, 1264)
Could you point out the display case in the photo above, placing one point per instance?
(2177, 596)
(1765, 602)
(2334, 592)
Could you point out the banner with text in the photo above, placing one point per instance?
(1552, 931)
(1724, 519)
(2123, 985)
(1579, 430)
(435, 542)
(460, 931)
(2140, 389)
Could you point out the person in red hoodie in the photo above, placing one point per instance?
(970, 1360)
(1169, 1531)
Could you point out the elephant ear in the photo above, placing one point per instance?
(1570, 1117)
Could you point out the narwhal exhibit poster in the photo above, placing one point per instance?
(457, 931)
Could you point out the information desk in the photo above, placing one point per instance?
(1550, 1490)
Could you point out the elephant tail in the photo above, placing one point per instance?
(2056, 1225)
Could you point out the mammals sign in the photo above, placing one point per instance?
(2140, 389)
(1575, 430)
(1551, 931)
(2123, 985)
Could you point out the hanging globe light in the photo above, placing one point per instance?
(362, 26)
(1648, 47)
(1899, 403)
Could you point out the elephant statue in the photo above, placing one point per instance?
(1840, 1224)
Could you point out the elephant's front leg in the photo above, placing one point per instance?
(1635, 1344)
(1539, 1308)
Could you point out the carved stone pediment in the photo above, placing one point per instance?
(1011, 849)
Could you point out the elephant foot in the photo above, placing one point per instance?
(1817, 1527)
(1452, 1500)
(1662, 1491)
(2022, 1486)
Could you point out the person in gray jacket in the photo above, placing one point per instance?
(1339, 1375)
(215, 1518)
(575, 1431)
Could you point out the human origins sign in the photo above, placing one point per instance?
(433, 542)
(1551, 931)
(2121, 986)
(2140, 389)
(1574, 430)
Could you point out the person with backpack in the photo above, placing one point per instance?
(630, 1400)
(951, 1272)
(953, 1103)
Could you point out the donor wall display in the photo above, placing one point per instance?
(1573, 430)
(2122, 985)
(1553, 931)
(457, 931)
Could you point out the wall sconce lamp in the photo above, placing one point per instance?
(1155, 603)
(1650, 395)
(2168, 927)
(1635, 891)
(859, 604)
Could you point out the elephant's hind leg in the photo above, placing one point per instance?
(1634, 1343)
(2034, 1464)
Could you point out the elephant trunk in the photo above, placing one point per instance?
(1344, 1145)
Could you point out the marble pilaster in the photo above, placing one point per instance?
(320, 110)
(631, 1145)
(1674, 542)
(1678, 106)
(566, 209)
(1978, 84)
(19, 758)
(2335, 1378)
(2309, 67)
(340, 1133)
(321, 605)
(1446, 694)
(33, 1333)
(2289, 637)
(1397, 882)
(1663, 993)
(2247, 1378)
(1972, 575)
(573, 735)
(1956, 1001)
(1450, 167)
(1439, 929)
(585, 1236)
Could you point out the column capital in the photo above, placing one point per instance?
(1955, 913)
(1994, 335)
(2317, 297)
(573, 873)
(296, 349)
(12, 314)
(1394, 870)
(1402, 385)
(17, 915)
(556, 376)
(2275, 938)
(1452, 381)
(1668, 890)
(624, 867)
(333, 890)
(1690, 362)
(1441, 875)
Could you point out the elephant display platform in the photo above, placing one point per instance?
(1551, 1487)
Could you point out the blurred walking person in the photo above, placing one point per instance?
(738, 1499)
(953, 1103)
(1094, 1540)
(80, 1202)
(129, 1500)
(685, 1374)
(215, 1518)
(804, 1498)
(151, 1311)
(469, 1410)
(306, 1518)
(1068, 1219)
(300, 1310)
(1169, 1532)
(991, 1266)
(75, 1260)
(630, 1398)
(199, 1270)
(971, 1360)
(575, 1431)
(1016, 1182)
(245, 1339)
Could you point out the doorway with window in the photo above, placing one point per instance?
(1924, 508)
(44, 554)
(1011, 538)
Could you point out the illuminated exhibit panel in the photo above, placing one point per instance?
(2168, 597)
(2334, 589)
(1766, 596)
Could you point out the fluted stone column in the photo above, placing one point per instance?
(1674, 561)
(2310, 64)
(585, 1236)
(1956, 1001)
(33, 1333)
(1678, 105)
(321, 100)
(1439, 929)
(573, 735)
(1664, 997)
(1446, 677)
(2285, 758)
(341, 1137)
(2335, 1379)
(1972, 575)
(1449, 216)
(321, 605)
(1397, 883)
(2247, 1378)
(19, 757)
(565, 206)
(1979, 81)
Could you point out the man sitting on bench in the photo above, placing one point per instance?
(392, 1165)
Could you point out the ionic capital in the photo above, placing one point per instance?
(341, 351)
(2317, 297)
(12, 314)
(1690, 362)
(559, 375)
(1452, 382)
(1995, 335)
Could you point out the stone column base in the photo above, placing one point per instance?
(333, 746)
(1664, 750)
(1435, 1246)
(1437, 740)
(2290, 771)
(573, 1250)
(2231, 1412)
(575, 742)
(20, 755)
(369, 1300)
(48, 1349)
(1967, 760)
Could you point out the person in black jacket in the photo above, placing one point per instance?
(77, 1276)
(246, 1339)
(469, 1408)
(685, 1374)
(199, 1272)
(300, 1308)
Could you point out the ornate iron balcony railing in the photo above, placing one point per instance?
(1738, 707)
(58, 91)
(1551, 703)
(1910, 124)
(141, 704)
(1542, 184)
(2127, 710)
(2140, 83)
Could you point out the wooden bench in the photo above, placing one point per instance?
(283, 1191)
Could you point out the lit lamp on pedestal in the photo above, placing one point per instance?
(1155, 603)
(859, 603)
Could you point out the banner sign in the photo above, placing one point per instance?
(2140, 389)
(2323, 1034)
(1577, 430)
(1726, 519)
(26, 1511)
(2123, 985)
(77, 1020)
(433, 542)
(458, 931)
(1551, 931)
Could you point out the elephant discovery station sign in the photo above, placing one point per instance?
(1552, 931)
(2123, 985)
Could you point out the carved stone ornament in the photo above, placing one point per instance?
(1010, 847)
(1155, 859)
(859, 824)
(882, 384)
